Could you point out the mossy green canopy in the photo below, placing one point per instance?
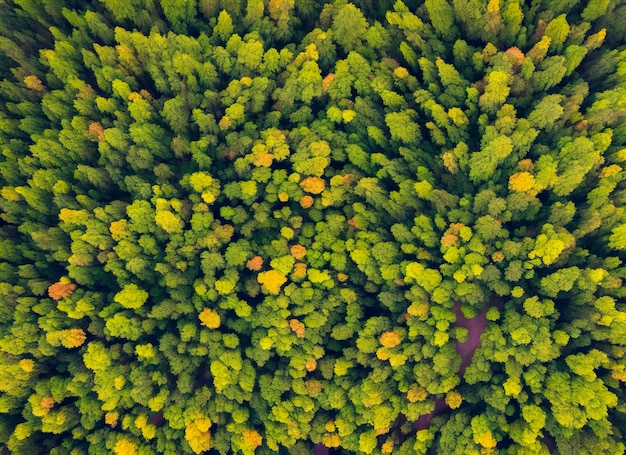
(264, 226)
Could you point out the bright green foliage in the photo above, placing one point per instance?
(131, 296)
(496, 91)
(349, 27)
(256, 226)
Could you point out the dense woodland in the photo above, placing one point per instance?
(258, 226)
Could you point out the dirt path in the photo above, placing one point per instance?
(475, 327)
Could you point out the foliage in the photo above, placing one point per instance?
(255, 227)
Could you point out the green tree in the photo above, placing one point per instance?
(349, 26)
(442, 18)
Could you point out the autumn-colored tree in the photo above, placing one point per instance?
(61, 290)
(209, 318)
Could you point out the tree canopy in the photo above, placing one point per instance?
(265, 226)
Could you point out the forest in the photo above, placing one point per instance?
(295, 227)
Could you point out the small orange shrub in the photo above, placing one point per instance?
(255, 263)
(60, 290)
